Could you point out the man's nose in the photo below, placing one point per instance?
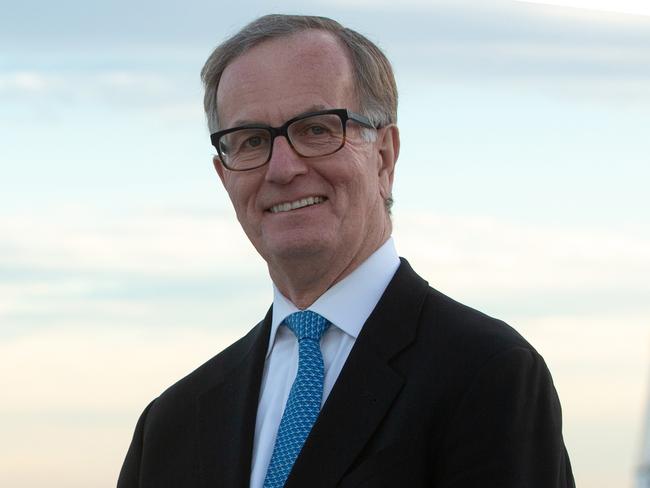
(285, 164)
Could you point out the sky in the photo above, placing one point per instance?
(520, 190)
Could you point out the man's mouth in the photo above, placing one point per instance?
(303, 202)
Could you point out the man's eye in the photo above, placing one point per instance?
(316, 130)
(252, 142)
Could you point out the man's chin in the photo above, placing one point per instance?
(295, 248)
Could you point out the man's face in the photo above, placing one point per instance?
(270, 84)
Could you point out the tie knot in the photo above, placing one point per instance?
(307, 325)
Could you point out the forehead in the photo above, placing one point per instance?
(280, 78)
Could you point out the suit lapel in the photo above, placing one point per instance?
(227, 411)
(366, 386)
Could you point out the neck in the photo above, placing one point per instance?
(304, 279)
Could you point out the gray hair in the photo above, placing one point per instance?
(374, 81)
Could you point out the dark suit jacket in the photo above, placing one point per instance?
(432, 394)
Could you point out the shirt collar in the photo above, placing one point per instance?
(349, 303)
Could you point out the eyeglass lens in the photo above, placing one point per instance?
(317, 135)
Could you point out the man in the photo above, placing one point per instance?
(360, 374)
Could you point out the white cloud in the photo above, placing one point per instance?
(29, 82)
(133, 88)
(75, 266)
(635, 7)
(538, 57)
(127, 79)
(476, 253)
(490, 255)
(157, 242)
(71, 253)
(164, 271)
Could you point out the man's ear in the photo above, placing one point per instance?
(218, 167)
(388, 145)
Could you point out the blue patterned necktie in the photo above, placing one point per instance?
(303, 404)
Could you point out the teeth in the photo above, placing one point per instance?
(305, 202)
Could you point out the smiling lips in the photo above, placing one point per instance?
(303, 202)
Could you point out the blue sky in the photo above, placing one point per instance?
(520, 190)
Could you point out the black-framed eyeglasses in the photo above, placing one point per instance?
(310, 135)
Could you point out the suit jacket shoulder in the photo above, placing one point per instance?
(463, 336)
(201, 428)
(473, 403)
(219, 367)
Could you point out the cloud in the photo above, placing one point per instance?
(491, 258)
(156, 268)
(634, 7)
(155, 241)
(506, 40)
(111, 87)
(163, 268)
(161, 242)
(29, 82)
(529, 58)
(468, 41)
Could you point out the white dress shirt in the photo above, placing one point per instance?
(347, 306)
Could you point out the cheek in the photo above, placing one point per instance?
(241, 192)
(365, 177)
(357, 197)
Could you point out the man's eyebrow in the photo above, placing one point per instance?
(314, 108)
(239, 122)
(311, 108)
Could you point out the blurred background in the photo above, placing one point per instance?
(521, 190)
